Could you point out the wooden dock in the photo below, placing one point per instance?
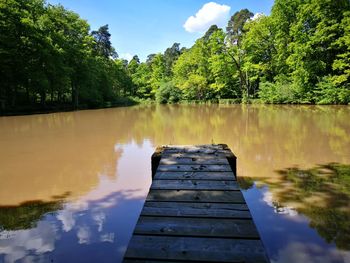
(195, 211)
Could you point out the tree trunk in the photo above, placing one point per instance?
(75, 96)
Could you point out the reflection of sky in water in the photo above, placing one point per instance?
(287, 233)
(97, 225)
(102, 159)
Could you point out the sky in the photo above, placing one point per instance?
(143, 27)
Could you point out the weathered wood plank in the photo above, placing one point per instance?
(195, 175)
(195, 196)
(194, 155)
(196, 227)
(153, 261)
(196, 210)
(194, 185)
(197, 249)
(193, 148)
(194, 167)
(193, 160)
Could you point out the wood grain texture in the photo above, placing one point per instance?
(196, 227)
(195, 175)
(195, 211)
(211, 210)
(196, 196)
(194, 167)
(194, 185)
(197, 249)
(193, 160)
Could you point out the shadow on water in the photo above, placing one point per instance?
(321, 193)
(27, 214)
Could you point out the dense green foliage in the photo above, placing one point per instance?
(298, 54)
(50, 58)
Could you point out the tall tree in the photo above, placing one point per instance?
(103, 45)
(235, 30)
(170, 56)
(260, 50)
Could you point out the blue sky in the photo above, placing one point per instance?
(143, 27)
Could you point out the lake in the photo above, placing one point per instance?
(72, 184)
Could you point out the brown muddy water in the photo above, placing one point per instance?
(72, 184)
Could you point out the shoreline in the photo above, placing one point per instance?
(133, 102)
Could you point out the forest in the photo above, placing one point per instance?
(50, 59)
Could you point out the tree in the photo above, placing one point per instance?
(142, 80)
(103, 45)
(157, 72)
(222, 80)
(235, 26)
(50, 58)
(191, 72)
(341, 64)
(235, 30)
(313, 51)
(260, 50)
(149, 59)
(170, 56)
(133, 64)
(212, 29)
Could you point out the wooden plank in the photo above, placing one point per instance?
(194, 155)
(158, 261)
(207, 149)
(217, 210)
(191, 168)
(194, 185)
(194, 211)
(153, 261)
(193, 148)
(193, 160)
(195, 175)
(197, 249)
(196, 227)
(195, 196)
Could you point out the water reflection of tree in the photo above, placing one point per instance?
(26, 215)
(322, 194)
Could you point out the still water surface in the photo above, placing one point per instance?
(72, 184)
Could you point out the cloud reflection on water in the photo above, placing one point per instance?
(89, 217)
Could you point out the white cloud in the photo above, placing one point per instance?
(126, 56)
(19, 244)
(296, 251)
(67, 218)
(285, 210)
(257, 16)
(84, 235)
(99, 219)
(211, 13)
(108, 237)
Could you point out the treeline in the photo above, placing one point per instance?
(298, 54)
(50, 59)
